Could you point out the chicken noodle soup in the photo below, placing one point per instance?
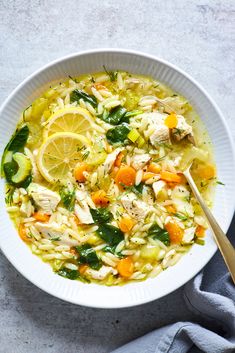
(94, 179)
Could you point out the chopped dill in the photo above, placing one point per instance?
(85, 155)
(112, 74)
(220, 183)
(159, 159)
(9, 196)
(73, 79)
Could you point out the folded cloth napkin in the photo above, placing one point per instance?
(212, 301)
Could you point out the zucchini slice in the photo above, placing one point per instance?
(24, 168)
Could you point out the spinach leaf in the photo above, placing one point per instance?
(137, 189)
(101, 215)
(115, 116)
(182, 216)
(68, 198)
(67, 273)
(158, 233)
(118, 134)
(110, 234)
(88, 256)
(77, 94)
(112, 249)
(19, 139)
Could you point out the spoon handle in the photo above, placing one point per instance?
(224, 245)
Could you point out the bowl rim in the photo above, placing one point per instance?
(211, 101)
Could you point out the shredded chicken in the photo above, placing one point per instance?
(140, 160)
(158, 186)
(56, 232)
(111, 159)
(82, 209)
(44, 198)
(136, 208)
(182, 129)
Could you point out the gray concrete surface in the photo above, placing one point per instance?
(199, 37)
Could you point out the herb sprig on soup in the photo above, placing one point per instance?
(94, 181)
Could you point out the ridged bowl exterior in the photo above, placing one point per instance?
(94, 295)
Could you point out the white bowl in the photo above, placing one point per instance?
(94, 295)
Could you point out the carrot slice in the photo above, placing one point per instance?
(100, 198)
(175, 232)
(99, 86)
(119, 159)
(23, 233)
(200, 231)
(125, 176)
(41, 217)
(148, 175)
(73, 251)
(79, 172)
(170, 209)
(170, 177)
(171, 121)
(125, 267)
(154, 168)
(82, 269)
(126, 224)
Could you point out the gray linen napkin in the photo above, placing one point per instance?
(211, 297)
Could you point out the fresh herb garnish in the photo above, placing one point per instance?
(55, 239)
(68, 198)
(133, 113)
(110, 234)
(203, 184)
(9, 196)
(101, 215)
(220, 183)
(73, 79)
(112, 74)
(67, 273)
(137, 189)
(160, 234)
(25, 111)
(77, 94)
(87, 255)
(85, 155)
(118, 134)
(181, 216)
(177, 131)
(159, 159)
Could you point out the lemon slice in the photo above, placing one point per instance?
(76, 120)
(59, 154)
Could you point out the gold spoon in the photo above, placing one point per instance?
(224, 245)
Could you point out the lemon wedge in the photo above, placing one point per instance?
(59, 154)
(76, 120)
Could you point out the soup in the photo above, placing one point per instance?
(94, 181)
